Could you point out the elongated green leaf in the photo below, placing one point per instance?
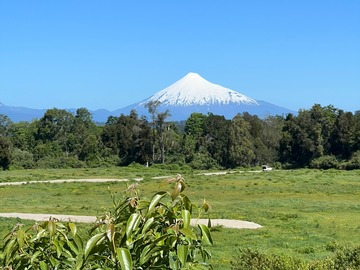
(132, 224)
(110, 232)
(176, 191)
(73, 229)
(43, 266)
(182, 252)
(9, 250)
(188, 233)
(144, 252)
(34, 256)
(159, 240)
(58, 246)
(186, 216)
(92, 243)
(186, 202)
(51, 227)
(20, 235)
(155, 200)
(148, 252)
(173, 261)
(205, 234)
(53, 262)
(73, 247)
(39, 234)
(79, 263)
(79, 242)
(147, 225)
(124, 257)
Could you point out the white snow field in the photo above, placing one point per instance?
(195, 90)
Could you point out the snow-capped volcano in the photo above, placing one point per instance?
(195, 90)
(188, 95)
(193, 93)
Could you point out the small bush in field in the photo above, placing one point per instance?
(353, 163)
(59, 163)
(137, 234)
(343, 259)
(203, 161)
(325, 162)
(22, 159)
(250, 259)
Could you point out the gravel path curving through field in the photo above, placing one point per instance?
(59, 181)
(104, 180)
(226, 223)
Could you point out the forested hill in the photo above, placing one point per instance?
(320, 137)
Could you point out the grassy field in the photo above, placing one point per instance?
(305, 213)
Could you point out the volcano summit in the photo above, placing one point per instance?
(195, 90)
(193, 93)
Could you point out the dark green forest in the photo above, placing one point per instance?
(320, 137)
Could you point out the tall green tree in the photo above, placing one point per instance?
(55, 127)
(109, 135)
(194, 125)
(6, 126)
(23, 135)
(342, 139)
(6, 130)
(160, 127)
(129, 137)
(5, 152)
(356, 132)
(128, 133)
(289, 148)
(308, 135)
(256, 127)
(240, 146)
(192, 139)
(216, 138)
(270, 137)
(84, 137)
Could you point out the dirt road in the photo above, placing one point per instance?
(226, 223)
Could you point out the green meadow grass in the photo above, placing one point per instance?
(305, 213)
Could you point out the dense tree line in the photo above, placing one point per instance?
(321, 137)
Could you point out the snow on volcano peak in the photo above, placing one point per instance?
(195, 90)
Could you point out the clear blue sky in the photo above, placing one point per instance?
(110, 54)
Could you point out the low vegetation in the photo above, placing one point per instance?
(309, 217)
(137, 234)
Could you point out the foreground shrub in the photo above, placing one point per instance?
(137, 234)
(250, 259)
(353, 163)
(343, 259)
(347, 258)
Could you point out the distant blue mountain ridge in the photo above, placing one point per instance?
(190, 94)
